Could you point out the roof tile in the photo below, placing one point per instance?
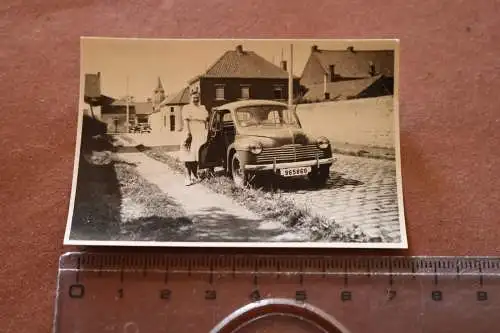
(180, 98)
(349, 89)
(244, 64)
(356, 64)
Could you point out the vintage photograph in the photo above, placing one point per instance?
(238, 143)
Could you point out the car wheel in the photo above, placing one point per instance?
(240, 176)
(319, 176)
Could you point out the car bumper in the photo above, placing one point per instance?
(276, 166)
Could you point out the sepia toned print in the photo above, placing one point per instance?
(238, 143)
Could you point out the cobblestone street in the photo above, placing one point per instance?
(361, 191)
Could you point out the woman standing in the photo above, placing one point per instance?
(194, 117)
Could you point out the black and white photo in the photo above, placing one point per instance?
(238, 143)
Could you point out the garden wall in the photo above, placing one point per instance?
(364, 122)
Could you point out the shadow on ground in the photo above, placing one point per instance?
(156, 228)
(215, 225)
(96, 210)
(96, 213)
(272, 183)
(100, 205)
(103, 184)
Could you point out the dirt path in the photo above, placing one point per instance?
(215, 217)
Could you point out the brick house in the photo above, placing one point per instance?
(242, 74)
(346, 74)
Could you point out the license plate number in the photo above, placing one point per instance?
(292, 172)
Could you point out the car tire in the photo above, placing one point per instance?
(239, 175)
(319, 176)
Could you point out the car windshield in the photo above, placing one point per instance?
(266, 116)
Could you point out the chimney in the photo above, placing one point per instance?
(350, 49)
(314, 48)
(331, 72)
(239, 49)
(283, 65)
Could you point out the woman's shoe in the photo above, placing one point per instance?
(188, 182)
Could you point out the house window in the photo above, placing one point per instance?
(172, 123)
(219, 92)
(172, 109)
(245, 92)
(278, 92)
(164, 121)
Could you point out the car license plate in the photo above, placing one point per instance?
(291, 172)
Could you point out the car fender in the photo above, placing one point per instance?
(243, 154)
(231, 147)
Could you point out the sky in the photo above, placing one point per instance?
(176, 61)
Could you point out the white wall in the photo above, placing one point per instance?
(160, 130)
(367, 121)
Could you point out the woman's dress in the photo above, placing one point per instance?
(196, 117)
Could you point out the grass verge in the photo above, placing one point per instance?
(113, 202)
(272, 205)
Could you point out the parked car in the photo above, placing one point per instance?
(144, 128)
(141, 128)
(263, 136)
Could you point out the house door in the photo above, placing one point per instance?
(172, 123)
(212, 152)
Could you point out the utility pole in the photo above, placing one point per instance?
(127, 97)
(290, 79)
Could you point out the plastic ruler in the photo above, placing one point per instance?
(192, 293)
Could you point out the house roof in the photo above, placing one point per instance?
(179, 98)
(241, 63)
(142, 108)
(92, 87)
(355, 63)
(119, 102)
(341, 89)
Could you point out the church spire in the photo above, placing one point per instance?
(159, 92)
(159, 86)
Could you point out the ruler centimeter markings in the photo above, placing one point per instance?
(102, 292)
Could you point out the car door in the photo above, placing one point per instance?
(212, 152)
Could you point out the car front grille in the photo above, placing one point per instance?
(290, 153)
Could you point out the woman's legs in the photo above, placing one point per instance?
(187, 171)
(192, 173)
(194, 170)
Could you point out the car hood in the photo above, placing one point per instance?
(276, 136)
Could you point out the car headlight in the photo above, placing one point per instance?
(323, 142)
(255, 148)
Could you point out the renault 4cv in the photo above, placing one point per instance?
(262, 136)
